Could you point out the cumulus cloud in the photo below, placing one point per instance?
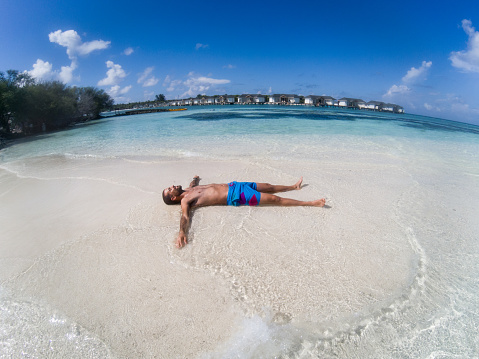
(66, 73)
(117, 93)
(201, 84)
(414, 74)
(170, 84)
(412, 77)
(395, 89)
(193, 85)
(201, 46)
(467, 60)
(72, 41)
(146, 79)
(42, 70)
(116, 90)
(128, 51)
(229, 66)
(114, 75)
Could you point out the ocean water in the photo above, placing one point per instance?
(389, 269)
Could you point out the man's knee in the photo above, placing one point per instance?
(267, 198)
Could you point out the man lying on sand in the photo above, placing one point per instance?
(231, 194)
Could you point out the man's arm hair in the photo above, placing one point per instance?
(195, 182)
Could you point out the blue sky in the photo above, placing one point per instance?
(423, 55)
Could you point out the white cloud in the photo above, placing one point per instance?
(193, 85)
(414, 74)
(412, 77)
(116, 90)
(66, 73)
(201, 46)
(229, 66)
(144, 74)
(151, 82)
(395, 89)
(207, 81)
(128, 51)
(145, 78)
(171, 85)
(452, 106)
(467, 60)
(41, 70)
(72, 41)
(114, 75)
(432, 108)
(75, 47)
(201, 84)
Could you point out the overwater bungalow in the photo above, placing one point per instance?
(245, 99)
(374, 105)
(282, 99)
(289, 99)
(351, 102)
(312, 100)
(251, 99)
(219, 100)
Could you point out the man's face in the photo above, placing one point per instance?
(173, 191)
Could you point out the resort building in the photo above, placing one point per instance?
(351, 103)
(374, 105)
(251, 99)
(320, 100)
(312, 100)
(279, 99)
(288, 99)
(220, 100)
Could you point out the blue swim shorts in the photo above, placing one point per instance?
(243, 193)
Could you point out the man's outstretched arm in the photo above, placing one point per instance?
(195, 182)
(182, 239)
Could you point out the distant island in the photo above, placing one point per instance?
(288, 99)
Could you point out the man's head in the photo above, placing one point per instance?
(171, 195)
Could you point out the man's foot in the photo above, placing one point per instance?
(297, 185)
(319, 202)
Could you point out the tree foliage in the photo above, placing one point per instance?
(30, 107)
(160, 98)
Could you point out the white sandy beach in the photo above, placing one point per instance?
(89, 242)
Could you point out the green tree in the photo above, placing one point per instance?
(91, 101)
(160, 98)
(50, 105)
(13, 87)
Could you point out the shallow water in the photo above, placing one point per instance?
(389, 269)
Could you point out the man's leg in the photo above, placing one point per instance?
(272, 188)
(271, 199)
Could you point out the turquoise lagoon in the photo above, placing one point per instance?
(388, 270)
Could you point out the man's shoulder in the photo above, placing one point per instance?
(191, 195)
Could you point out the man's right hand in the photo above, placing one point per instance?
(181, 241)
